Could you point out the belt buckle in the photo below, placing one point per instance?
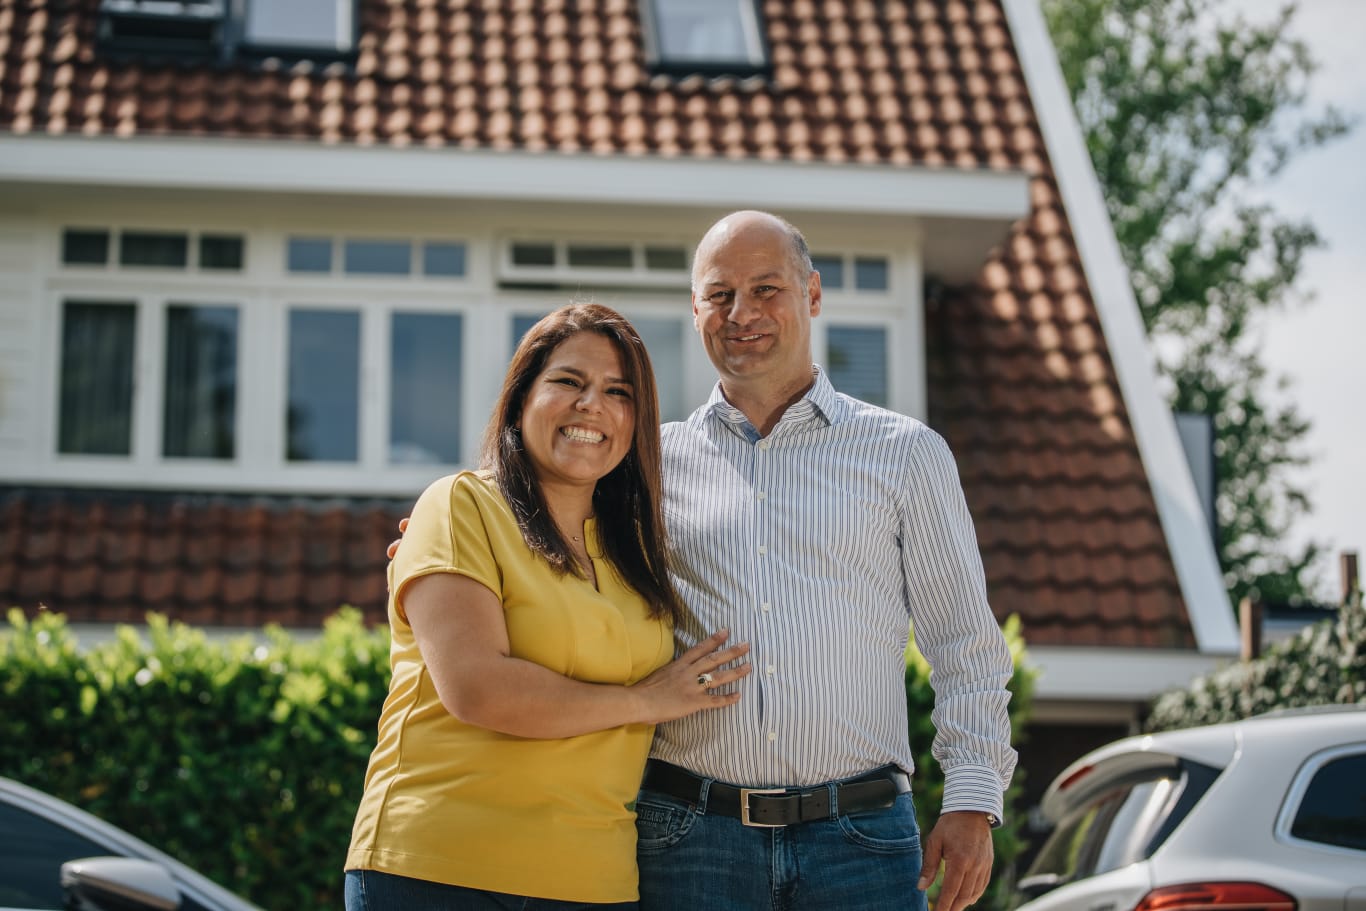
(744, 807)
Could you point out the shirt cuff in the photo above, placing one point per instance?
(974, 788)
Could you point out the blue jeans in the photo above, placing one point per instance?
(370, 890)
(691, 860)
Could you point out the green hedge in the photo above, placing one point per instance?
(1008, 839)
(245, 759)
(1325, 664)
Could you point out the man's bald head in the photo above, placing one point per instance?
(752, 220)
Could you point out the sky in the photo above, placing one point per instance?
(1322, 347)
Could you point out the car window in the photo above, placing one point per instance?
(1333, 810)
(32, 851)
(1120, 825)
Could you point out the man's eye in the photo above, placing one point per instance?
(765, 290)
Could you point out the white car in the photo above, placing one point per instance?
(54, 855)
(1266, 814)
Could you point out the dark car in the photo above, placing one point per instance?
(55, 856)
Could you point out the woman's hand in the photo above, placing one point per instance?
(688, 683)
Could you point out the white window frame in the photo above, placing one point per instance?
(264, 293)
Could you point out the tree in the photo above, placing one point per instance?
(1187, 109)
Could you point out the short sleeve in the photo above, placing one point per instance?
(447, 532)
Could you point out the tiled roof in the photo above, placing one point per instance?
(220, 560)
(1021, 382)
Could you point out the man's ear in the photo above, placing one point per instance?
(813, 292)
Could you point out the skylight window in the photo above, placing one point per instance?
(229, 29)
(301, 26)
(705, 36)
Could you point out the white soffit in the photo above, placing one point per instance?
(1072, 673)
(290, 166)
(1178, 507)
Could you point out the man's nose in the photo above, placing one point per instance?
(743, 309)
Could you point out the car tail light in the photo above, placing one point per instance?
(1217, 897)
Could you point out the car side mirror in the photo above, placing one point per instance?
(118, 884)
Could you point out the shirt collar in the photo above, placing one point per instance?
(820, 403)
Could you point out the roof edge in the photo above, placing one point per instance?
(1169, 476)
(1131, 674)
(507, 174)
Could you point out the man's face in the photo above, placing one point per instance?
(753, 307)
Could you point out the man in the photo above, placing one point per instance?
(814, 527)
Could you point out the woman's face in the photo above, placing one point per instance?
(578, 419)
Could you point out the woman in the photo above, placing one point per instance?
(532, 630)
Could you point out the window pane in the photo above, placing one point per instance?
(220, 252)
(708, 31)
(97, 378)
(870, 273)
(424, 391)
(663, 338)
(303, 24)
(831, 269)
(592, 257)
(310, 254)
(85, 247)
(378, 257)
(533, 254)
(1333, 811)
(200, 416)
(146, 248)
(521, 325)
(666, 259)
(323, 416)
(857, 357)
(443, 259)
(32, 851)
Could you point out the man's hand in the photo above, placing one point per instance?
(393, 545)
(962, 840)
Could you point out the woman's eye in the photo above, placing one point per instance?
(625, 393)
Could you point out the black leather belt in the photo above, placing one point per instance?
(773, 807)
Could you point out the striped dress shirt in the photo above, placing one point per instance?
(820, 545)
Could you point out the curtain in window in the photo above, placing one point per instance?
(96, 401)
(200, 414)
(857, 362)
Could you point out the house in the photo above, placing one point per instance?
(262, 266)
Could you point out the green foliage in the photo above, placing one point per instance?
(1324, 665)
(244, 760)
(1188, 109)
(1008, 840)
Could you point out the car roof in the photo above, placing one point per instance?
(1304, 730)
(204, 889)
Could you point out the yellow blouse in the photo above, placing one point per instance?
(453, 803)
